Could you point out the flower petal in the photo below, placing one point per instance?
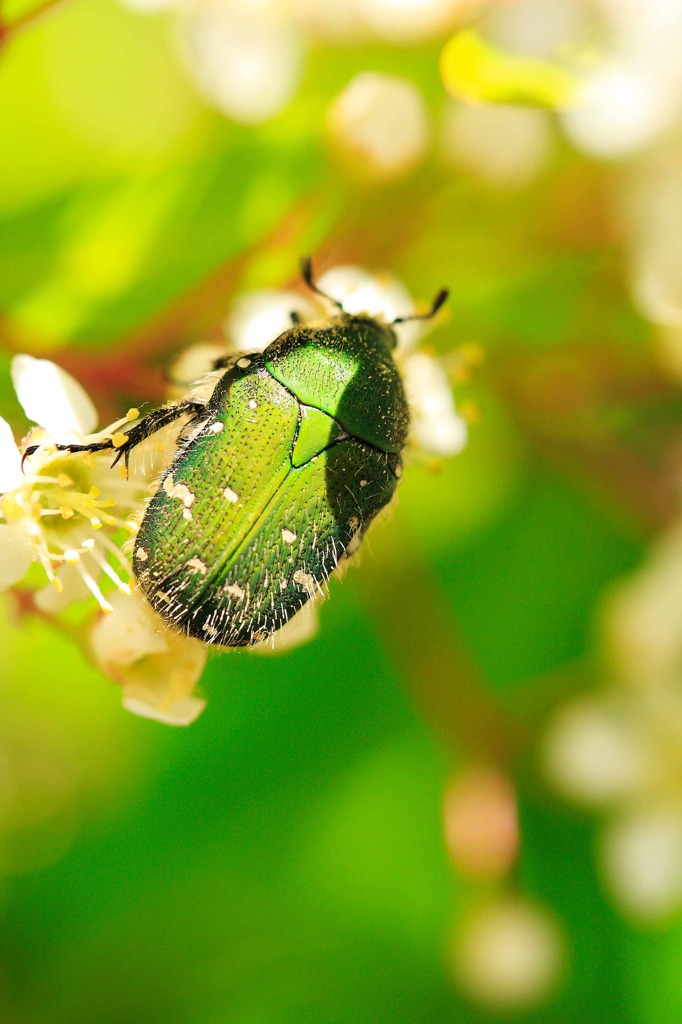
(147, 702)
(299, 630)
(156, 668)
(16, 554)
(383, 296)
(11, 476)
(127, 634)
(73, 589)
(379, 124)
(51, 397)
(435, 425)
(246, 59)
(258, 317)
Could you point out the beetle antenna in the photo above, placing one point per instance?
(307, 275)
(435, 306)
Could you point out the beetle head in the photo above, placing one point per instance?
(383, 329)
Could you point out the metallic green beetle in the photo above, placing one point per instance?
(275, 479)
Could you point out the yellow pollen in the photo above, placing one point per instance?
(132, 414)
(64, 481)
(118, 440)
(57, 584)
(472, 353)
(93, 492)
(470, 412)
(66, 512)
(96, 523)
(8, 506)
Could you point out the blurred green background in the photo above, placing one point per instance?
(327, 842)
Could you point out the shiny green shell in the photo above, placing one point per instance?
(297, 451)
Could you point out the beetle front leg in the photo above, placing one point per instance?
(124, 443)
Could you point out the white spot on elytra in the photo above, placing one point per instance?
(234, 589)
(217, 427)
(180, 491)
(253, 404)
(305, 580)
(196, 563)
(243, 363)
(141, 555)
(288, 536)
(363, 483)
(230, 494)
(187, 514)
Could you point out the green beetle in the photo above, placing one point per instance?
(275, 478)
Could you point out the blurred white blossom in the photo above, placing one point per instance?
(596, 753)
(535, 28)
(156, 667)
(246, 56)
(411, 21)
(509, 955)
(641, 854)
(504, 145)
(257, 317)
(618, 751)
(651, 207)
(435, 425)
(379, 124)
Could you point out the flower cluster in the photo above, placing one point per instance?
(617, 751)
(73, 514)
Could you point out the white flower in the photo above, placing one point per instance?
(55, 515)
(509, 955)
(619, 750)
(246, 56)
(156, 667)
(380, 124)
(53, 507)
(641, 854)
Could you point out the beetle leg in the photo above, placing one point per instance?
(152, 422)
(147, 426)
